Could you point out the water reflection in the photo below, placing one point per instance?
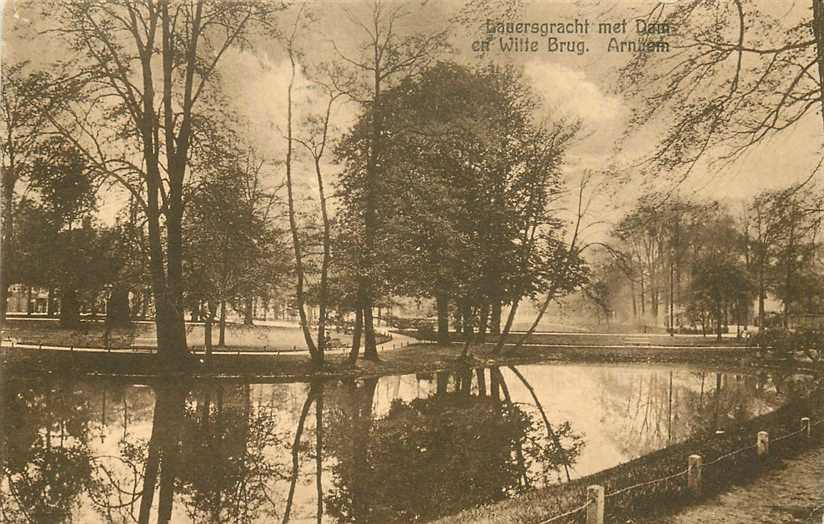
(377, 450)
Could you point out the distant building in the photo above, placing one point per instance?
(20, 296)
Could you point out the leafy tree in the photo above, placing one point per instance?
(719, 283)
(464, 201)
(60, 246)
(232, 252)
(385, 55)
(20, 143)
(780, 232)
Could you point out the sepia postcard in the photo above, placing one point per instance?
(387, 261)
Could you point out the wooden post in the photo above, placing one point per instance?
(694, 474)
(805, 425)
(595, 504)
(762, 444)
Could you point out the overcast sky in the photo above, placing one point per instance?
(579, 86)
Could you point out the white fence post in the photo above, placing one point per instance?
(595, 504)
(805, 426)
(762, 444)
(694, 474)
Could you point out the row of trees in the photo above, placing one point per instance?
(138, 103)
(233, 251)
(449, 183)
(684, 263)
(464, 207)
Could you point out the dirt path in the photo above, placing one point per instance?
(793, 493)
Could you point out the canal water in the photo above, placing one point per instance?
(398, 448)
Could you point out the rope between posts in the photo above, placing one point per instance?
(788, 435)
(648, 483)
(567, 514)
(727, 455)
(675, 475)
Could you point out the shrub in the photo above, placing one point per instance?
(791, 344)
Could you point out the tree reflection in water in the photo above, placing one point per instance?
(46, 464)
(433, 456)
(357, 451)
(656, 409)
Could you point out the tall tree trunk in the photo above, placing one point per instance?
(818, 32)
(441, 383)
(442, 303)
(117, 310)
(356, 336)
(300, 299)
(29, 309)
(481, 376)
(168, 287)
(144, 303)
(323, 294)
(211, 311)
(468, 319)
(672, 300)
(207, 336)
(248, 311)
(643, 295)
(510, 318)
(370, 349)
(69, 308)
(9, 179)
(495, 384)
(370, 214)
(495, 320)
(762, 296)
(468, 327)
(221, 339)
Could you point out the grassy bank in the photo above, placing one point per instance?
(617, 339)
(411, 359)
(659, 498)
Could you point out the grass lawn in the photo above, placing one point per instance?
(143, 334)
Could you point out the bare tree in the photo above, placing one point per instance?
(736, 75)
(141, 76)
(315, 143)
(315, 350)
